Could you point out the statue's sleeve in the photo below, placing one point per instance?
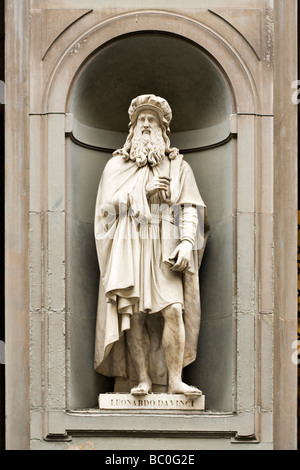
(193, 209)
(188, 223)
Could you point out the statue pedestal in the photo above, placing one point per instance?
(152, 401)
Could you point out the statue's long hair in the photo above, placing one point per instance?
(125, 150)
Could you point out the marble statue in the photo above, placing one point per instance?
(150, 232)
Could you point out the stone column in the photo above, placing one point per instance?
(285, 223)
(16, 221)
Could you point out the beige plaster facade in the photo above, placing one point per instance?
(63, 117)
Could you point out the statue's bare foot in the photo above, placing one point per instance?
(188, 390)
(143, 388)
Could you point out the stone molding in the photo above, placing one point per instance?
(248, 101)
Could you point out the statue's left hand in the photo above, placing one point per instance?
(181, 255)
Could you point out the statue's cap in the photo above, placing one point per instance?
(155, 103)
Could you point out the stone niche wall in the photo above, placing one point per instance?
(201, 104)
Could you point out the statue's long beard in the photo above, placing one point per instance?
(147, 148)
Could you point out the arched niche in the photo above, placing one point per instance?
(196, 88)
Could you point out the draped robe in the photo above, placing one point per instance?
(134, 242)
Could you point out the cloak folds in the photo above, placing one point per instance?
(124, 240)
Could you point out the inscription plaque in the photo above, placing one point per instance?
(151, 401)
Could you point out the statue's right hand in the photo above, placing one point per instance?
(158, 183)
